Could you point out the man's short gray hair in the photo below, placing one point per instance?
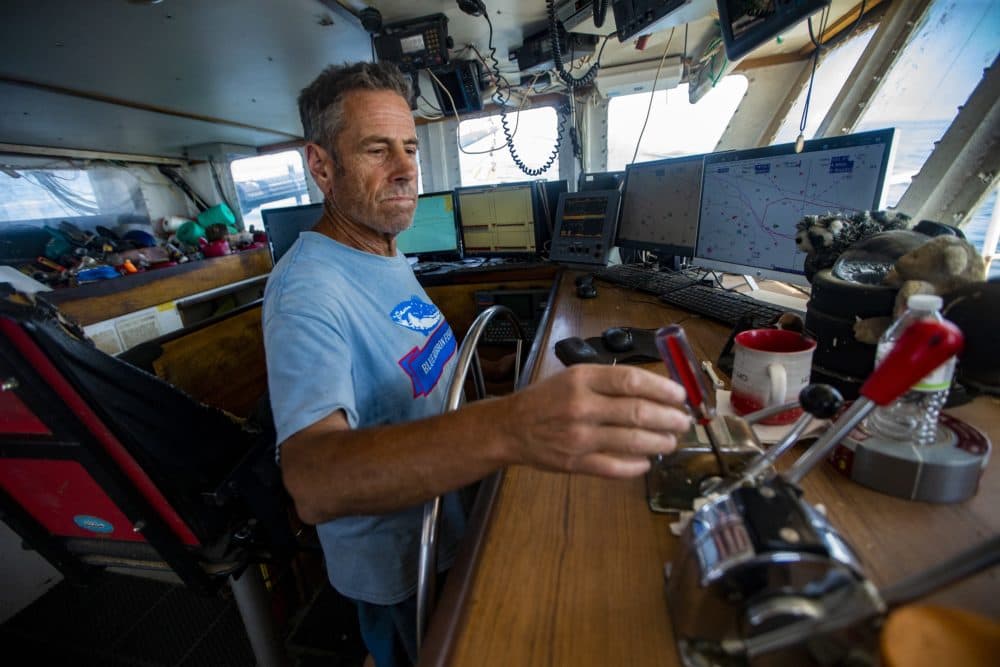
(321, 103)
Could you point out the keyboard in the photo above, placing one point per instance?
(501, 330)
(723, 306)
(643, 279)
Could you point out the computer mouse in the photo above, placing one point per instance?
(576, 350)
(584, 278)
(618, 339)
(586, 291)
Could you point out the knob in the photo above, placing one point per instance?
(820, 400)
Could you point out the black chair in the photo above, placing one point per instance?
(105, 465)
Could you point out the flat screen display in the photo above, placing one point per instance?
(283, 225)
(660, 206)
(499, 220)
(434, 233)
(751, 200)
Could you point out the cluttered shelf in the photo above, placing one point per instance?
(98, 301)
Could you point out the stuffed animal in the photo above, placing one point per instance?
(939, 266)
(824, 237)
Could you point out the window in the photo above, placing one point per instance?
(269, 181)
(675, 126)
(483, 155)
(40, 196)
(831, 75)
(939, 68)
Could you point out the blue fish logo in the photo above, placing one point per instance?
(416, 315)
(93, 524)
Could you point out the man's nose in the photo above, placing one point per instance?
(404, 165)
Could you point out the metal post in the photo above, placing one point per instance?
(252, 602)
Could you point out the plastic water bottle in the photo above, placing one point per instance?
(913, 417)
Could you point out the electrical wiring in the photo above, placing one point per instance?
(452, 100)
(652, 93)
(839, 38)
(554, 28)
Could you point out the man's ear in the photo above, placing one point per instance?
(320, 164)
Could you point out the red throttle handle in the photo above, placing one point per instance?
(676, 352)
(924, 345)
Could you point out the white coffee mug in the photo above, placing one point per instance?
(771, 366)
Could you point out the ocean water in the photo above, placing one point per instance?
(914, 143)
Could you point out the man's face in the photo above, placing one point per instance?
(374, 179)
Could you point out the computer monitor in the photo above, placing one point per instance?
(501, 220)
(434, 234)
(283, 225)
(751, 200)
(660, 206)
(601, 180)
(549, 192)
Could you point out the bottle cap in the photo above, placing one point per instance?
(924, 302)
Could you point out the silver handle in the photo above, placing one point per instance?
(468, 358)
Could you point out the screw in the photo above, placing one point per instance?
(789, 535)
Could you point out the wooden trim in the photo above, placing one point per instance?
(452, 608)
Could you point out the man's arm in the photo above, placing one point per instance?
(599, 420)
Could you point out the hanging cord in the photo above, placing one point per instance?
(600, 12)
(839, 38)
(653, 92)
(554, 30)
(502, 97)
(800, 141)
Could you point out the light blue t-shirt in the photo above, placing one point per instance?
(352, 331)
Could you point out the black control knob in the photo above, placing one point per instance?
(820, 400)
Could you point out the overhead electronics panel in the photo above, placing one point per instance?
(644, 17)
(746, 25)
(416, 43)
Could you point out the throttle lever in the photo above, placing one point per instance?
(680, 360)
(924, 345)
(819, 401)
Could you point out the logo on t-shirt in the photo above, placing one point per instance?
(416, 315)
(425, 365)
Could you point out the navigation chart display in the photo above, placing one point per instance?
(751, 200)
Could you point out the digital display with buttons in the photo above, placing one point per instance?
(415, 44)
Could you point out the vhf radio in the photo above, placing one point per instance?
(415, 44)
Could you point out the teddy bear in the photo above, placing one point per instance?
(824, 237)
(940, 265)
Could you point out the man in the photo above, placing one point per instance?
(359, 361)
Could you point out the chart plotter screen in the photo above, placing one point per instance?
(751, 200)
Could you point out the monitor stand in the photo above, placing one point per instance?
(789, 301)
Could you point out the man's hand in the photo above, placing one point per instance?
(600, 420)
